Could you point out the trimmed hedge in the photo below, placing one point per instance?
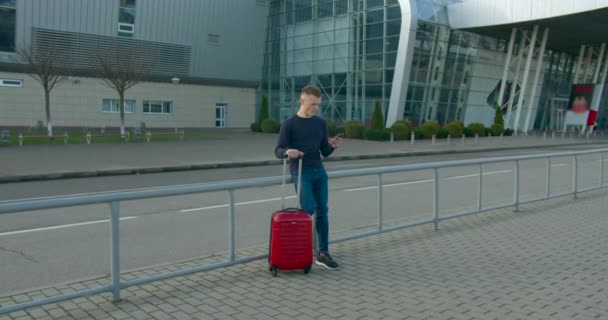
(401, 130)
(455, 129)
(270, 126)
(376, 134)
(255, 127)
(477, 128)
(331, 128)
(429, 129)
(496, 129)
(353, 129)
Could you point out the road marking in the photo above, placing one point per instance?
(61, 226)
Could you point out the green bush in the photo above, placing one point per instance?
(353, 129)
(377, 118)
(264, 114)
(255, 127)
(400, 130)
(376, 134)
(442, 133)
(340, 130)
(496, 129)
(429, 129)
(477, 128)
(418, 133)
(498, 119)
(508, 132)
(455, 129)
(331, 128)
(270, 126)
(468, 132)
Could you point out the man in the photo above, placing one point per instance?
(305, 135)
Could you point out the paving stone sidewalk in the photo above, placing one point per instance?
(548, 261)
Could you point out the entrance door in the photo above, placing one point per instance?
(220, 115)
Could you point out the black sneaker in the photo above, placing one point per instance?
(325, 260)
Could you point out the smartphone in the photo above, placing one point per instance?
(339, 135)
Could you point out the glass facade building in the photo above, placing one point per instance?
(348, 48)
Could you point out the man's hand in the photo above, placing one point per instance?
(335, 141)
(294, 153)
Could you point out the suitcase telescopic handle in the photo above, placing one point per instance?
(285, 180)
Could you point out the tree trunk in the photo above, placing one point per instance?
(122, 113)
(47, 103)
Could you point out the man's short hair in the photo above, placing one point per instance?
(311, 90)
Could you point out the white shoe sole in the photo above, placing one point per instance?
(325, 266)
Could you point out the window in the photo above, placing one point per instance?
(220, 115)
(126, 18)
(112, 106)
(11, 83)
(158, 107)
(8, 9)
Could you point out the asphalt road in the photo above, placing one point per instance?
(47, 247)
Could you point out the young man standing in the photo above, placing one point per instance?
(305, 135)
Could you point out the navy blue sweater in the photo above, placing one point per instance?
(308, 135)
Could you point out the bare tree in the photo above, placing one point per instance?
(121, 71)
(46, 69)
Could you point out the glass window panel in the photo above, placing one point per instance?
(375, 16)
(374, 30)
(391, 59)
(303, 42)
(325, 10)
(7, 26)
(324, 53)
(389, 74)
(324, 38)
(373, 76)
(374, 46)
(127, 15)
(304, 14)
(373, 91)
(393, 28)
(393, 13)
(373, 61)
(341, 7)
(341, 36)
(127, 3)
(392, 43)
(374, 3)
(392, 2)
(323, 66)
(341, 51)
(341, 65)
(303, 55)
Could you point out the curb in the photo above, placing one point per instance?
(222, 165)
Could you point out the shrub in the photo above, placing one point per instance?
(401, 130)
(455, 129)
(270, 126)
(468, 132)
(442, 133)
(429, 129)
(508, 132)
(264, 114)
(255, 127)
(353, 129)
(496, 129)
(376, 134)
(418, 133)
(331, 128)
(377, 118)
(477, 128)
(498, 119)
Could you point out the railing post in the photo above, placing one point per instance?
(516, 186)
(575, 177)
(231, 226)
(436, 199)
(548, 177)
(601, 169)
(380, 200)
(115, 247)
(480, 184)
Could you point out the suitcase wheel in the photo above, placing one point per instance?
(274, 271)
(307, 269)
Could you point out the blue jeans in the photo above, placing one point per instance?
(313, 199)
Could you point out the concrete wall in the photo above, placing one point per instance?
(78, 102)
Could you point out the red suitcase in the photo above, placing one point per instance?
(291, 235)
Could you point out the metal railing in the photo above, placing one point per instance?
(114, 199)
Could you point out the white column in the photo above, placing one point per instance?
(505, 72)
(581, 55)
(539, 66)
(524, 82)
(405, 53)
(520, 57)
(599, 62)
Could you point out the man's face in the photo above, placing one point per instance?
(309, 104)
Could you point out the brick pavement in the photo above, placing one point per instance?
(548, 261)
